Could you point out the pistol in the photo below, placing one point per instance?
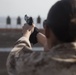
(29, 20)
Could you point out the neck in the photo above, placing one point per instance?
(53, 43)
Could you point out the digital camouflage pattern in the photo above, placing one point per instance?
(60, 60)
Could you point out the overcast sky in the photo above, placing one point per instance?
(21, 7)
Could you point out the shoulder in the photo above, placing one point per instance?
(23, 62)
(42, 62)
(21, 49)
(65, 52)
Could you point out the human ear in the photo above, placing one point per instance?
(47, 32)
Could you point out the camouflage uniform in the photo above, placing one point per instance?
(60, 60)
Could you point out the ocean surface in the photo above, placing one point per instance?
(9, 49)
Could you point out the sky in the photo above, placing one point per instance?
(21, 7)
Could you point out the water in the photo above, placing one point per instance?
(9, 49)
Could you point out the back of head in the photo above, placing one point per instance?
(72, 23)
(62, 20)
(73, 5)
